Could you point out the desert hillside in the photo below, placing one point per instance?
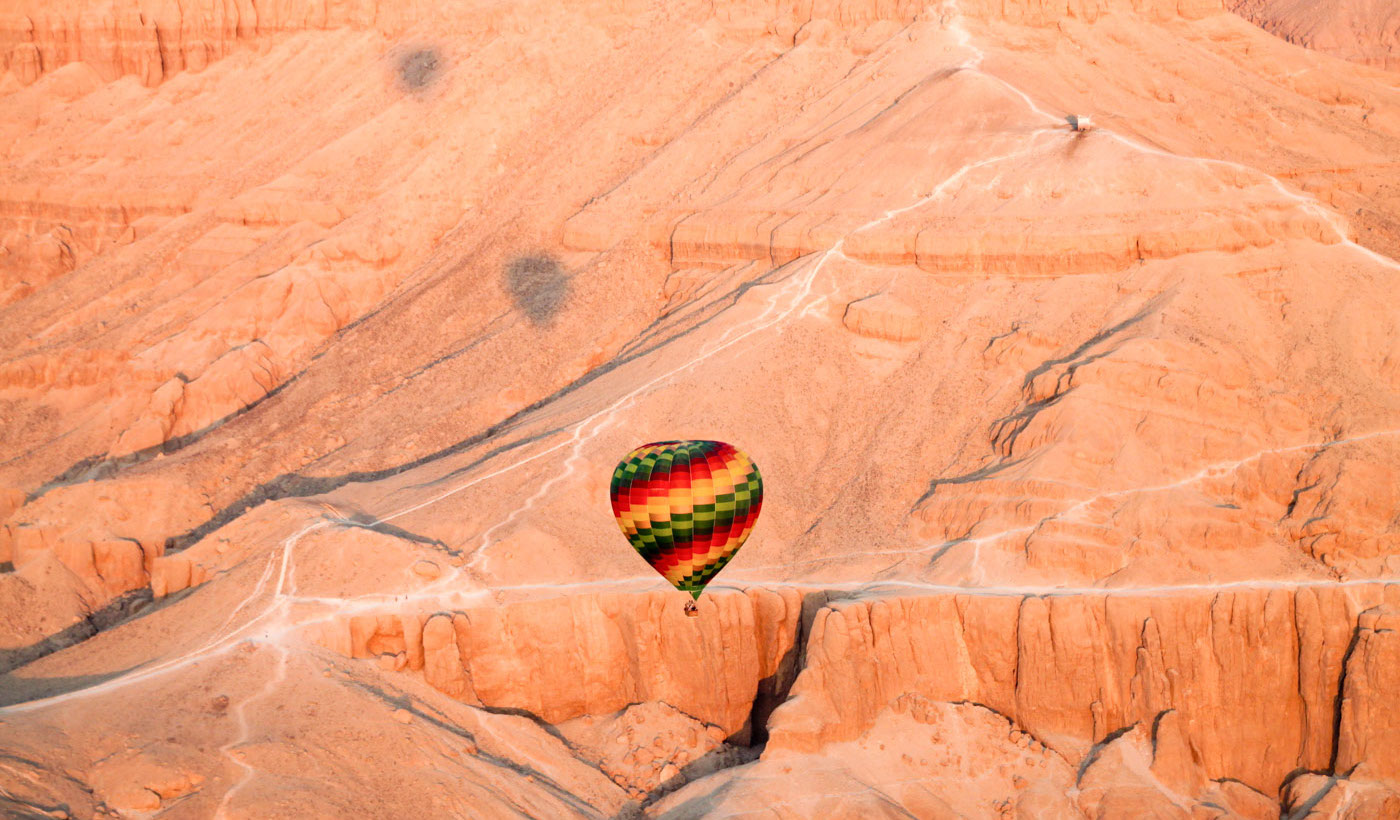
(323, 325)
(1366, 31)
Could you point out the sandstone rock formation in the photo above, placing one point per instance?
(716, 666)
(1080, 446)
(1191, 690)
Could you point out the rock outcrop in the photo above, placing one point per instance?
(1367, 724)
(1199, 688)
(1241, 672)
(597, 655)
(883, 316)
(125, 552)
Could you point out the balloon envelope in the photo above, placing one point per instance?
(687, 507)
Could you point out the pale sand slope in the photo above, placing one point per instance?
(1365, 31)
(1079, 447)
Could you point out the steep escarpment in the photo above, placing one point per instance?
(598, 654)
(1257, 678)
(1258, 689)
(1210, 696)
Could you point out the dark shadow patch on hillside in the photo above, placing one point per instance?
(294, 485)
(1006, 430)
(100, 467)
(1304, 809)
(419, 69)
(117, 611)
(1097, 749)
(979, 474)
(1339, 703)
(406, 702)
(17, 691)
(365, 521)
(1102, 336)
(291, 485)
(773, 691)
(538, 286)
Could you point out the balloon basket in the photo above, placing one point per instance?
(691, 610)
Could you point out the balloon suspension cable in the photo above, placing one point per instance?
(691, 610)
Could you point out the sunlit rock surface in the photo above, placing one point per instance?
(323, 325)
(1364, 31)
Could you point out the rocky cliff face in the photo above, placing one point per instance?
(1218, 696)
(1080, 445)
(618, 650)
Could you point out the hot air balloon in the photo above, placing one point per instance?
(687, 507)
